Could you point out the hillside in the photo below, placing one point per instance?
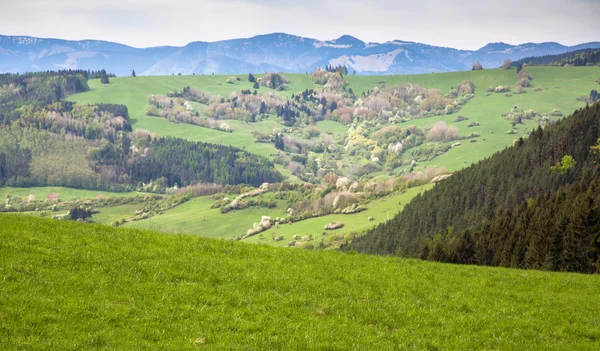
(533, 205)
(68, 285)
(263, 53)
(380, 156)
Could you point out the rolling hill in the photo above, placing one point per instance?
(263, 53)
(68, 285)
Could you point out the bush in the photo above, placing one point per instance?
(477, 66)
(441, 132)
(507, 64)
(459, 118)
(519, 90)
(556, 113)
(524, 75)
(524, 82)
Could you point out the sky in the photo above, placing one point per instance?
(452, 23)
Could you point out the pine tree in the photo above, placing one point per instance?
(103, 77)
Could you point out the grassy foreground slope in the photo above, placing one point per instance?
(67, 286)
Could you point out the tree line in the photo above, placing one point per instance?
(584, 57)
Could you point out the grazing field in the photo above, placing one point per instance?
(68, 286)
(65, 194)
(196, 217)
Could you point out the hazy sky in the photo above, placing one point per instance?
(453, 23)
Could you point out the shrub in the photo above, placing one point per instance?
(459, 118)
(477, 66)
(519, 90)
(524, 75)
(524, 82)
(556, 113)
(441, 132)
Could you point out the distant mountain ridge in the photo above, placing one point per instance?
(262, 53)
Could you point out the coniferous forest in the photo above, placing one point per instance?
(584, 57)
(47, 141)
(533, 205)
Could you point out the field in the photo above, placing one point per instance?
(70, 286)
(196, 217)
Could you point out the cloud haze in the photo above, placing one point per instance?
(453, 23)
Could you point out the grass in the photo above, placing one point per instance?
(197, 218)
(66, 194)
(72, 286)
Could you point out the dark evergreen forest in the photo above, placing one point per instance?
(584, 57)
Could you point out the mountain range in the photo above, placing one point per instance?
(262, 53)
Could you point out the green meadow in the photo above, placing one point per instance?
(73, 286)
(196, 217)
(65, 194)
(557, 88)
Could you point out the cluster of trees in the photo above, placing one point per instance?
(184, 163)
(179, 110)
(341, 69)
(584, 57)
(275, 81)
(534, 205)
(63, 117)
(39, 88)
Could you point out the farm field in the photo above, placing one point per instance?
(69, 286)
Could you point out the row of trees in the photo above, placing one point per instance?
(584, 57)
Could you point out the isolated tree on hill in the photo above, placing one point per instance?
(133, 73)
(477, 66)
(594, 96)
(103, 77)
(251, 78)
(507, 64)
